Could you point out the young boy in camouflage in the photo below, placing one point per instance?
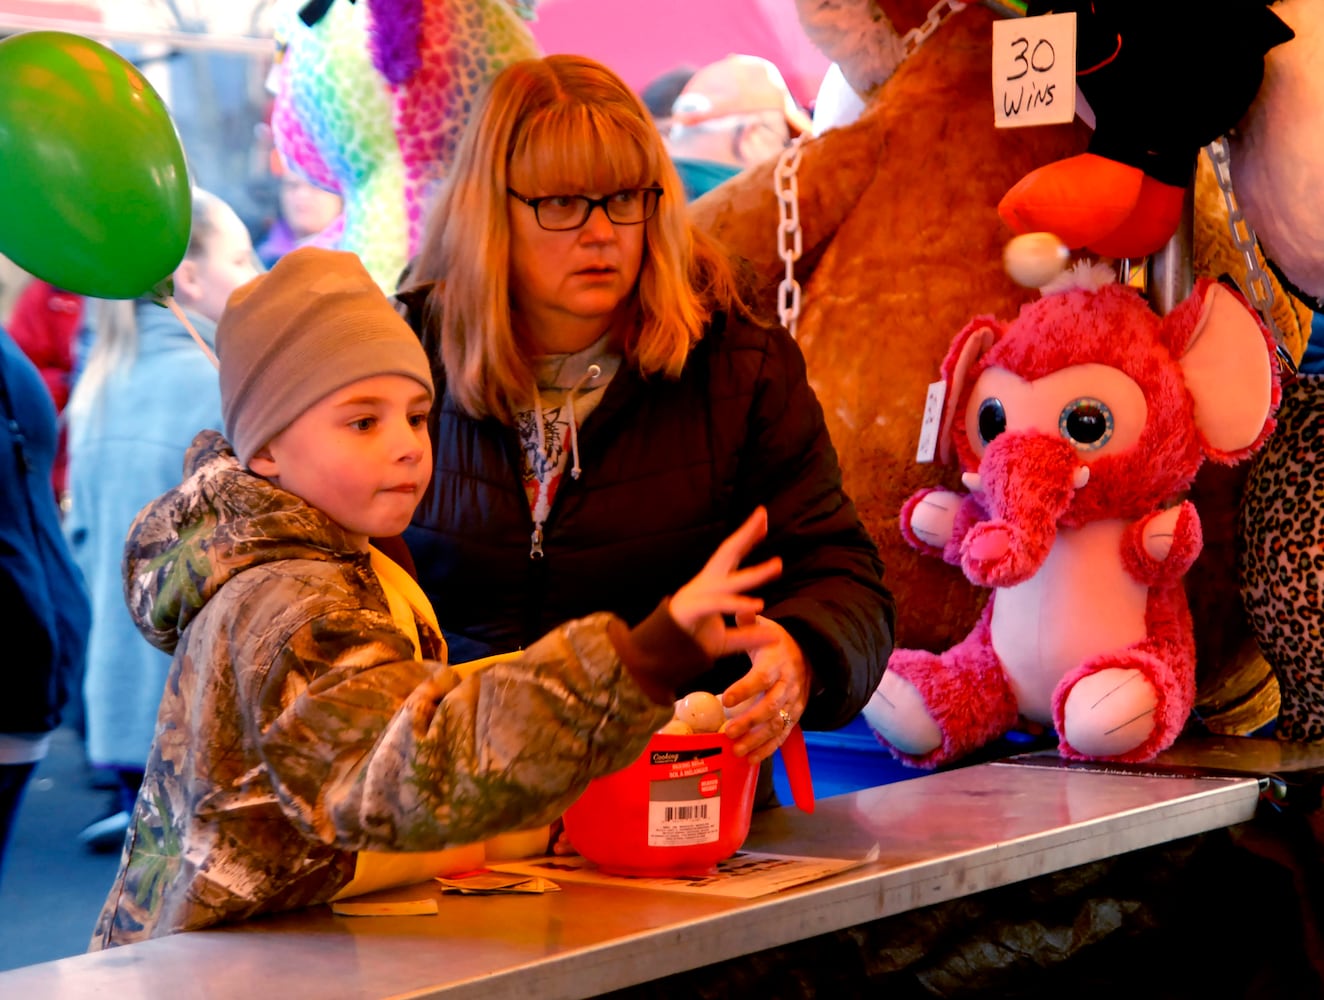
(309, 717)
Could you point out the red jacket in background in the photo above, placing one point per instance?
(44, 323)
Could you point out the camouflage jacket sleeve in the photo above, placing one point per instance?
(367, 748)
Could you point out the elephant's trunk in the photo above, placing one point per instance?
(1029, 481)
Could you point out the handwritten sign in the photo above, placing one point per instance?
(1034, 70)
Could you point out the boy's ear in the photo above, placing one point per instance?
(264, 463)
(186, 280)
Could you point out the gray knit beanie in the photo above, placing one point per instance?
(311, 325)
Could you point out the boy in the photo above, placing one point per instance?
(309, 714)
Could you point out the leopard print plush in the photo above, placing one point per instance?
(1281, 544)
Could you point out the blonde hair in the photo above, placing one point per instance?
(115, 329)
(570, 124)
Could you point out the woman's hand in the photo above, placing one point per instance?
(701, 606)
(769, 699)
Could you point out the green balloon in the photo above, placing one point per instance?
(96, 192)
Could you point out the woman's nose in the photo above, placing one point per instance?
(597, 227)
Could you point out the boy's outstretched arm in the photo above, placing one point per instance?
(367, 749)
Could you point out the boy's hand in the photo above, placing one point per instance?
(699, 607)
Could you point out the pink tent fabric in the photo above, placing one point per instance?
(642, 39)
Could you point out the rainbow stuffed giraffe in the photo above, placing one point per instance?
(371, 98)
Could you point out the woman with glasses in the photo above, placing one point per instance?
(609, 409)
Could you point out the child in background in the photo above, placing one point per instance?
(309, 717)
(305, 211)
(144, 392)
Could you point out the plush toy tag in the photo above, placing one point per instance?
(932, 424)
(1034, 70)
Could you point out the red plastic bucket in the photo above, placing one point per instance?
(683, 806)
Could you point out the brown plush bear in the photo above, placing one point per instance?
(901, 244)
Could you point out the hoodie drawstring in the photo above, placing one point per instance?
(542, 507)
(590, 373)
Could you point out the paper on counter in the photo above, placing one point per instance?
(488, 883)
(744, 875)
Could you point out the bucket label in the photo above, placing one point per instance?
(657, 757)
(684, 811)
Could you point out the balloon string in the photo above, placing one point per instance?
(174, 308)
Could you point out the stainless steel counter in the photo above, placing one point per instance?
(936, 837)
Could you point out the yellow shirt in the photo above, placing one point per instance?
(375, 870)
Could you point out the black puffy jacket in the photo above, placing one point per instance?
(670, 467)
(44, 613)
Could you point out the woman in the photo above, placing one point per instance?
(608, 409)
(147, 388)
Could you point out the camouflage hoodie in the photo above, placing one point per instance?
(296, 727)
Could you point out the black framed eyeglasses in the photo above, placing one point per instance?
(559, 212)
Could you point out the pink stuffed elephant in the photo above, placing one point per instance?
(1078, 426)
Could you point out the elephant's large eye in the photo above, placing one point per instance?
(992, 419)
(1086, 423)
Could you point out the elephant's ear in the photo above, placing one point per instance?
(1228, 361)
(393, 37)
(970, 345)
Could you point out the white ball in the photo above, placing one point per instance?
(1035, 259)
(702, 711)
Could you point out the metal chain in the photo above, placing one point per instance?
(940, 11)
(1260, 287)
(789, 235)
(790, 238)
